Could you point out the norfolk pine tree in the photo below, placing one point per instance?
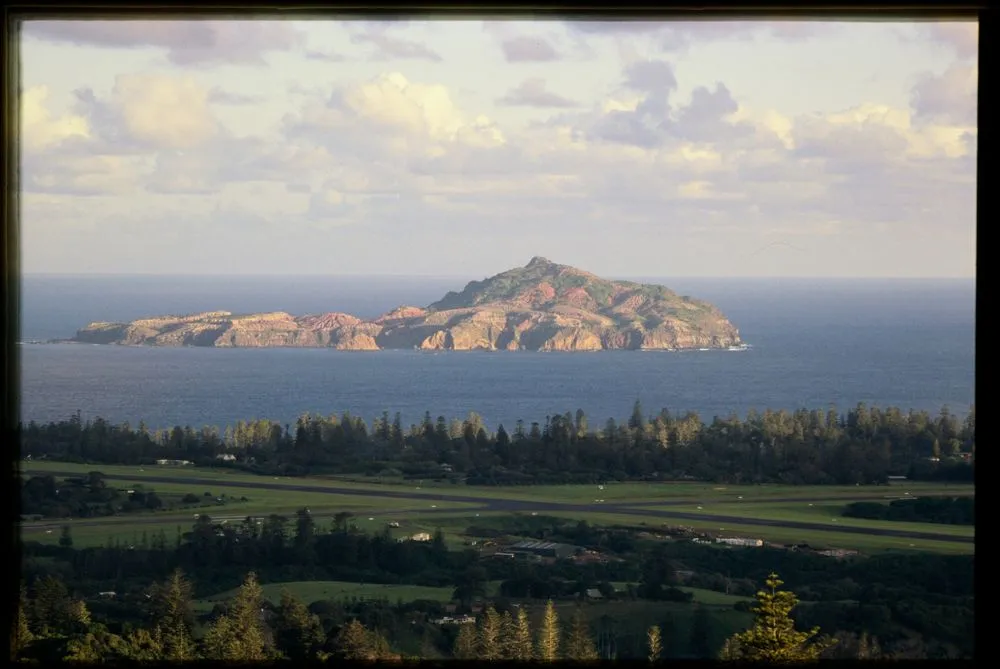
(20, 633)
(354, 642)
(655, 643)
(298, 633)
(239, 634)
(489, 635)
(508, 633)
(520, 646)
(548, 635)
(466, 643)
(172, 613)
(773, 637)
(579, 644)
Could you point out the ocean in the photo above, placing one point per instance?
(816, 343)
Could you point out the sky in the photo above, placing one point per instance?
(466, 147)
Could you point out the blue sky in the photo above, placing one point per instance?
(467, 147)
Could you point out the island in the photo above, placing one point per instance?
(542, 306)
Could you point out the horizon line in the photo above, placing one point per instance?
(466, 276)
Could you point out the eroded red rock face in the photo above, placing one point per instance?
(542, 307)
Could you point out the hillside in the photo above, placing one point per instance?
(542, 306)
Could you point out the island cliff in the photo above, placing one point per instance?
(542, 306)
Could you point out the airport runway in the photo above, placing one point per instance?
(514, 506)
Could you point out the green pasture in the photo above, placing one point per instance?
(128, 529)
(584, 494)
(713, 598)
(92, 536)
(817, 538)
(701, 595)
(624, 492)
(315, 591)
(808, 512)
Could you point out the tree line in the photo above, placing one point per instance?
(944, 510)
(862, 446)
(51, 625)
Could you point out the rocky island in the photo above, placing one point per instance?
(542, 306)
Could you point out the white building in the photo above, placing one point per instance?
(456, 620)
(739, 541)
(421, 536)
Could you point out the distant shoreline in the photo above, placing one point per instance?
(39, 342)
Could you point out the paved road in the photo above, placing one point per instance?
(510, 505)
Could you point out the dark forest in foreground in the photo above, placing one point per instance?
(916, 605)
(862, 446)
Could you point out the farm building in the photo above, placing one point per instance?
(455, 620)
(173, 463)
(837, 552)
(543, 549)
(421, 536)
(739, 541)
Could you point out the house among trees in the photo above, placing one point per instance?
(455, 620)
(174, 463)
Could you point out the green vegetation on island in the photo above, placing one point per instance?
(540, 307)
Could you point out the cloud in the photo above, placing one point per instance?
(677, 36)
(962, 37)
(707, 118)
(406, 115)
(110, 144)
(388, 47)
(526, 49)
(220, 96)
(650, 76)
(81, 175)
(325, 56)
(401, 158)
(39, 129)
(532, 93)
(623, 27)
(951, 97)
(643, 125)
(188, 43)
(329, 204)
(151, 110)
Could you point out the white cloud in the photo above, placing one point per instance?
(393, 149)
(40, 129)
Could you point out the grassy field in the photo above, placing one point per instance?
(806, 512)
(713, 598)
(315, 591)
(127, 529)
(372, 512)
(818, 538)
(701, 595)
(610, 493)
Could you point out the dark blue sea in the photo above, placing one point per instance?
(816, 343)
